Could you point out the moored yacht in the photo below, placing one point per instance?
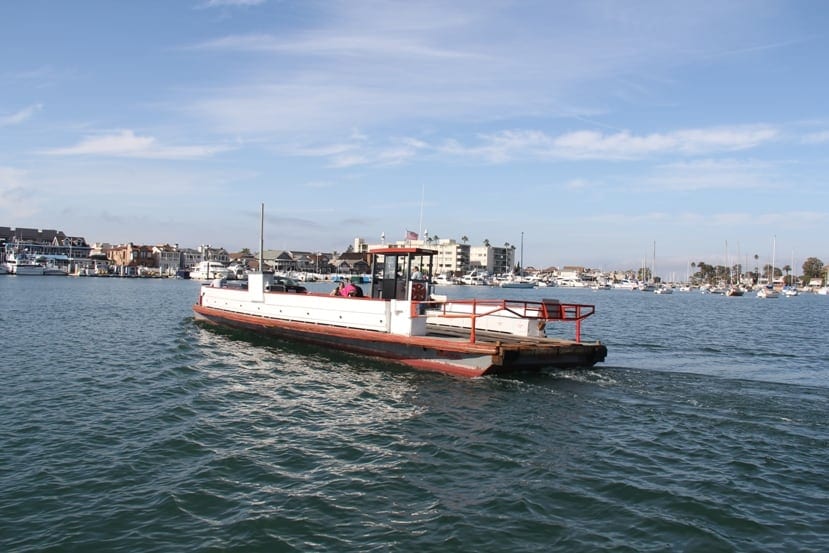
(209, 270)
(767, 292)
(513, 281)
(21, 263)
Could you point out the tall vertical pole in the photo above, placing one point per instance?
(521, 272)
(262, 238)
(420, 225)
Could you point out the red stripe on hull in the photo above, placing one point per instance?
(458, 357)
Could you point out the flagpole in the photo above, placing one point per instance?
(420, 225)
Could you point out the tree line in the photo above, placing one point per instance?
(812, 268)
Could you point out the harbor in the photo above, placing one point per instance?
(534, 276)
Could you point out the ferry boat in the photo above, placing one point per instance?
(402, 320)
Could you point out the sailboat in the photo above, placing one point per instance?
(768, 291)
(790, 289)
(513, 281)
(646, 284)
(660, 288)
(732, 290)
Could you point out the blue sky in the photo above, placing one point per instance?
(596, 128)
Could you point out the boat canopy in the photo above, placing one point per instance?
(395, 273)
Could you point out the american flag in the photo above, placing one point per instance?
(411, 235)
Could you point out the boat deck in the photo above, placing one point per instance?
(484, 336)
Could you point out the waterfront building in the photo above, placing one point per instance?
(128, 258)
(55, 245)
(495, 260)
(190, 257)
(454, 257)
(167, 259)
(209, 253)
(281, 261)
(351, 263)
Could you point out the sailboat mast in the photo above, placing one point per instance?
(727, 266)
(773, 251)
(740, 273)
(262, 238)
(521, 272)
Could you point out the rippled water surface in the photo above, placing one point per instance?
(127, 427)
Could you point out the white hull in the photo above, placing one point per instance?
(209, 270)
(516, 285)
(767, 293)
(25, 269)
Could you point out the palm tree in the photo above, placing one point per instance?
(486, 242)
(787, 268)
(464, 239)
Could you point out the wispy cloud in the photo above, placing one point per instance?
(816, 138)
(594, 145)
(20, 116)
(358, 151)
(533, 145)
(16, 199)
(338, 46)
(231, 3)
(127, 144)
(393, 63)
(391, 155)
(713, 174)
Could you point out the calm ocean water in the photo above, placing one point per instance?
(127, 427)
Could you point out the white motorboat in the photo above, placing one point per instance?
(22, 264)
(767, 292)
(513, 281)
(209, 270)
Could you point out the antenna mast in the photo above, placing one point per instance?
(262, 238)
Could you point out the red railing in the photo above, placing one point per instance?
(544, 311)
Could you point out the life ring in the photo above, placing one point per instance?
(418, 291)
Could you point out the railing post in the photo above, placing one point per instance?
(578, 323)
(474, 320)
